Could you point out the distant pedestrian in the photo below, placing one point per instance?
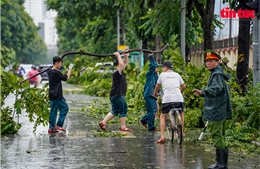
(217, 107)
(57, 101)
(21, 71)
(150, 100)
(117, 94)
(172, 88)
(31, 73)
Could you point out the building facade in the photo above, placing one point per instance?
(44, 19)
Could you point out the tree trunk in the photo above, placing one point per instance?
(207, 25)
(145, 46)
(207, 15)
(243, 50)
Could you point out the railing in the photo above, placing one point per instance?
(226, 48)
(225, 43)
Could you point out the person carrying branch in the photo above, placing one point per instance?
(57, 101)
(217, 107)
(117, 94)
(151, 101)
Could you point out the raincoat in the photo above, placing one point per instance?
(151, 78)
(217, 105)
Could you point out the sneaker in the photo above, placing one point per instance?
(50, 131)
(59, 128)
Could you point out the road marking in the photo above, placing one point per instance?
(128, 134)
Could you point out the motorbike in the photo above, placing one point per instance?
(33, 84)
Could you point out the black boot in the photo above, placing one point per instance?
(222, 159)
(213, 165)
(225, 159)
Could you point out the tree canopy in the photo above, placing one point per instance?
(19, 34)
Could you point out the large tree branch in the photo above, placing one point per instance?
(102, 55)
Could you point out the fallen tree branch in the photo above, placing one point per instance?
(100, 55)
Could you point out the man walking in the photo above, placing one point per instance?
(117, 94)
(57, 101)
(217, 107)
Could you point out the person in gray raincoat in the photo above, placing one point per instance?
(217, 107)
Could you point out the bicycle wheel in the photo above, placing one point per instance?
(169, 130)
(178, 130)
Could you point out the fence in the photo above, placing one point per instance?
(226, 48)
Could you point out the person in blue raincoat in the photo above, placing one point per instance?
(150, 100)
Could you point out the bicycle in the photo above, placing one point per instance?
(174, 123)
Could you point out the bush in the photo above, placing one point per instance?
(35, 102)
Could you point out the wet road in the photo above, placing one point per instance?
(77, 148)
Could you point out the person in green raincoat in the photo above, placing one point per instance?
(217, 107)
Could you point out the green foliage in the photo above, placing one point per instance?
(95, 83)
(160, 19)
(107, 134)
(19, 34)
(192, 116)
(8, 125)
(245, 105)
(7, 55)
(32, 101)
(89, 26)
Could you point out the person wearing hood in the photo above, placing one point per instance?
(217, 107)
(150, 100)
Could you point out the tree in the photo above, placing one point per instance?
(163, 20)
(19, 33)
(243, 49)
(7, 55)
(90, 26)
(243, 44)
(207, 15)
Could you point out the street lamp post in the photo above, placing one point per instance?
(256, 41)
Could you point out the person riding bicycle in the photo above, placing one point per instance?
(172, 87)
(31, 73)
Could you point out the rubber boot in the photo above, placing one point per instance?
(213, 165)
(225, 159)
(222, 159)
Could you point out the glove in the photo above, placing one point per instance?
(71, 66)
